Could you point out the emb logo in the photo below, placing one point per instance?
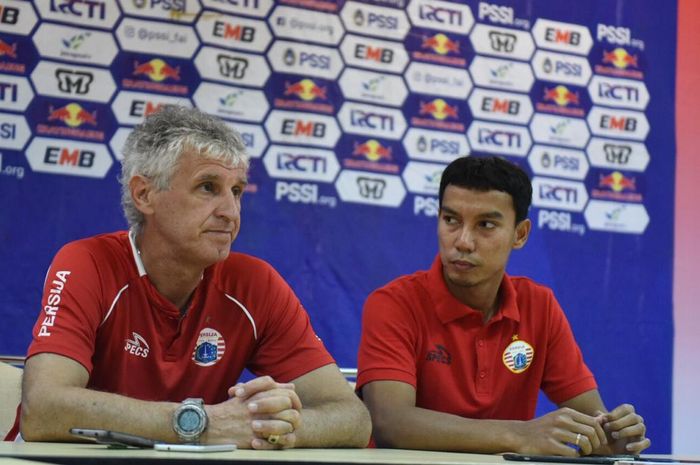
(65, 156)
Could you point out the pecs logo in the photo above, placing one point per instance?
(627, 218)
(137, 345)
(559, 130)
(502, 74)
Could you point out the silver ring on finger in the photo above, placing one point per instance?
(578, 439)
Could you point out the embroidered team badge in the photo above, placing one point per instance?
(518, 355)
(209, 349)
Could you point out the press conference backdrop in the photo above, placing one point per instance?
(350, 111)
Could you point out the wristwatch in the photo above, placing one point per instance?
(190, 420)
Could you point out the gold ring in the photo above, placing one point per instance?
(578, 438)
(275, 438)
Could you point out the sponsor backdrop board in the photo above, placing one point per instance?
(350, 111)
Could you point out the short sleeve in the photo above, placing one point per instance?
(288, 346)
(70, 307)
(388, 342)
(566, 374)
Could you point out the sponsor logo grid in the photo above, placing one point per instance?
(361, 102)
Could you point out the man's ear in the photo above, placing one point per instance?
(522, 232)
(142, 191)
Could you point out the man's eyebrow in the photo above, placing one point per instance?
(215, 177)
(496, 215)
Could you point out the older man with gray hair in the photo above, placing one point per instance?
(147, 331)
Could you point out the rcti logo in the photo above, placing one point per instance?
(439, 109)
(617, 182)
(441, 44)
(73, 115)
(561, 95)
(7, 49)
(156, 70)
(306, 89)
(620, 58)
(75, 41)
(372, 150)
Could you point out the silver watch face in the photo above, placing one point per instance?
(189, 421)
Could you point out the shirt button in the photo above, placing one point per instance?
(482, 374)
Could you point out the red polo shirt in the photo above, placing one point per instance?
(416, 332)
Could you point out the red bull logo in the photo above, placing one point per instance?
(372, 150)
(7, 49)
(440, 44)
(156, 70)
(617, 182)
(73, 115)
(620, 58)
(439, 109)
(306, 89)
(561, 95)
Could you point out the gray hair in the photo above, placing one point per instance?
(155, 146)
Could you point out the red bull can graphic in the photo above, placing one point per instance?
(372, 150)
(306, 90)
(440, 44)
(7, 49)
(617, 182)
(561, 95)
(156, 70)
(620, 59)
(73, 115)
(439, 109)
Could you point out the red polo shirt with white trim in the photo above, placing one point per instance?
(416, 332)
(100, 309)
